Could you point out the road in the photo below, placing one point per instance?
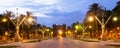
(63, 43)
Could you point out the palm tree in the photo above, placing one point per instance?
(95, 10)
(17, 21)
(30, 17)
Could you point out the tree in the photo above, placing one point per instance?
(17, 21)
(93, 11)
(78, 29)
(99, 12)
(116, 12)
(110, 22)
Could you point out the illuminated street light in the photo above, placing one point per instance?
(6, 33)
(47, 30)
(4, 20)
(29, 19)
(90, 19)
(69, 32)
(51, 34)
(115, 19)
(76, 27)
(90, 26)
(111, 31)
(118, 28)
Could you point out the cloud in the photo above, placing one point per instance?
(21, 10)
(44, 2)
(42, 15)
(23, 6)
(62, 18)
(52, 11)
(12, 3)
(26, 2)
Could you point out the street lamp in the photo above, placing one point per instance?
(47, 30)
(51, 34)
(90, 19)
(115, 18)
(29, 19)
(69, 32)
(118, 28)
(4, 20)
(76, 27)
(90, 26)
(84, 28)
(91, 33)
(6, 33)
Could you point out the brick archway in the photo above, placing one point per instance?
(56, 29)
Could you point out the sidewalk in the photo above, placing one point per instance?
(107, 43)
(17, 43)
(5, 42)
(90, 40)
(111, 43)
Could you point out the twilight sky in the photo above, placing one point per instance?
(50, 12)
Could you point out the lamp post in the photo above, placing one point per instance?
(48, 32)
(84, 28)
(51, 34)
(6, 35)
(76, 30)
(91, 33)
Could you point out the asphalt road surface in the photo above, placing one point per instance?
(66, 43)
(61, 43)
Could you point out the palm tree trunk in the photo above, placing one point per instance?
(17, 36)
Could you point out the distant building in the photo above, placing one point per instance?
(59, 29)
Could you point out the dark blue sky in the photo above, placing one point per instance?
(55, 11)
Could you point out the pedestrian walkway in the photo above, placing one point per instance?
(17, 43)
